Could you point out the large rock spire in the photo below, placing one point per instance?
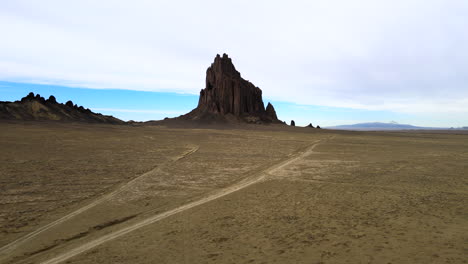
(227, 94)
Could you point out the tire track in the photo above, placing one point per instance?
(11, 246)
(236, 187)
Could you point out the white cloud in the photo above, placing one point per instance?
(403, 55)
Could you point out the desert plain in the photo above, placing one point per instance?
(93, 193)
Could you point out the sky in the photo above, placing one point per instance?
(328, 62)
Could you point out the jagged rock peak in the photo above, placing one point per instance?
(270, 112)
(28, 97)
(32, 97)
(227, 93)
(227, 96)
(224, 66)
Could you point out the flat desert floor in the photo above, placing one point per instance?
(81, 193)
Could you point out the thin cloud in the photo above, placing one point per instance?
(406, 56)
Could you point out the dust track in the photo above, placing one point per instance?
(11, 246)
(238, 186)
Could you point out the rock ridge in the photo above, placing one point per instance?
(36, 107)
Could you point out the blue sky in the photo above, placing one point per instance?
(327, 61)
(144, 105)
(124, 104)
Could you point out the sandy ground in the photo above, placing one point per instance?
(248, 196)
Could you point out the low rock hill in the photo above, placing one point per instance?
(35, 107)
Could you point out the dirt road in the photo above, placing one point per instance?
(11, 246)
(226, 191)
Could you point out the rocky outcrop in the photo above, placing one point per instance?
(270, 112)
(310, 125)
(52, 100)
(293, 123)
(35, 107)
(227, 96)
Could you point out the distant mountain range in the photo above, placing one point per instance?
(386, 126)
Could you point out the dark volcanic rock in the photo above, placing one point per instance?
(293, 123)
(52, 99)
(310, 125)
(318, 127)
(270, 112)
(228, 95)
(29, 97)
(35, 107)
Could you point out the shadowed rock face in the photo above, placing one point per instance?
(270, 111)
(227, 93)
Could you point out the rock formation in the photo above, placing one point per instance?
(227, 96)
(293, 123)
(69, 103)
(28, 97)
(270, 112)
(310, 125)
(52, 100)
(35, 107)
